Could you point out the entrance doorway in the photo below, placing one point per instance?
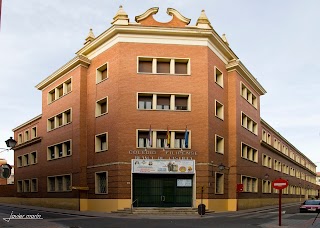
(162, 190)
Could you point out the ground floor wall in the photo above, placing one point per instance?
(63, 203)
(109, 205)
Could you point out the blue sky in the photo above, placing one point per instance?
(278, 41)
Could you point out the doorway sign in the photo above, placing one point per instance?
(280, 184)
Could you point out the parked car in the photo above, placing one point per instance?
(310, 206)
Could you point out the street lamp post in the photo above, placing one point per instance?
(5, 169)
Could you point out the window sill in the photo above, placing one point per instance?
(150, 73)
(168, 110)
(49, 103)
(100, 151)
(101, 114)
(221, 86)
(219, 152)
(102, 81)
(250, 131)
(59, 127)
(100, 193)
(59, 157)
(220, 118)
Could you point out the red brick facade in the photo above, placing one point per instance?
(124, 118)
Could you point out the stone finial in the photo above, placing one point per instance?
(203, 21)
(224, 38)
(121, 17)
(90, 37)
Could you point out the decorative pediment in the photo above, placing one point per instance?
(178, 20)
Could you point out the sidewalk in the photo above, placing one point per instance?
(108, 214)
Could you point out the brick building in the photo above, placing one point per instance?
(158, 115)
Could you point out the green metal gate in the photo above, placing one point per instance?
(161, 191)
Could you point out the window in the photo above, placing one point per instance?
(102, 107)
(101, 183)
(33, 157)
(59, 120)
(144, 139)
(102, 73)
(33, 132)
(59, 91)
(19, 158)
(277, 165)
(25, 160)
(61, 183)
(19, 186)
(219, 110)
(179, 139)
(26, 135)
(163, 140)
(59, 150)
(173, 102)
(34, 185)
(102, 142)
(26, 185)
(20, 138)
(145, 65)
(249, 124)
(163, 102)
(266, 161)
(266, 186)
(250, 184)
(218, 77)
(219, 183)
(163, 66)
(181, 102)
(219, 146)
(249, 153)
(248, 95)
(145, 101)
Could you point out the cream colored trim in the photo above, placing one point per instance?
(247, 158)
(98, 107)
(216, 110)
(237, 66)
(108, 164)
(154, 101)
(248, 117)
(189, 31)
(172, 61)
(26, 123)
(146, 14)
(35, 151)
(63, 155)
(254, 99)
(95, 183)
(96, 143)
(171, 12)
(72, 64)
(215, 144)
(37, 186)
(48, 130)
(56, 90)
(154, 138)
(215, 77)
(59, 175)
(99, 74)
(215, 187)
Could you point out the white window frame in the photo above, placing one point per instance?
(219, 191)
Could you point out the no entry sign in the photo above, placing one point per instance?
(280, 184)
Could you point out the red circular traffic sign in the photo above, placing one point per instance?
(280, 183)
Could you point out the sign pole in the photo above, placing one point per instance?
(280, 193)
